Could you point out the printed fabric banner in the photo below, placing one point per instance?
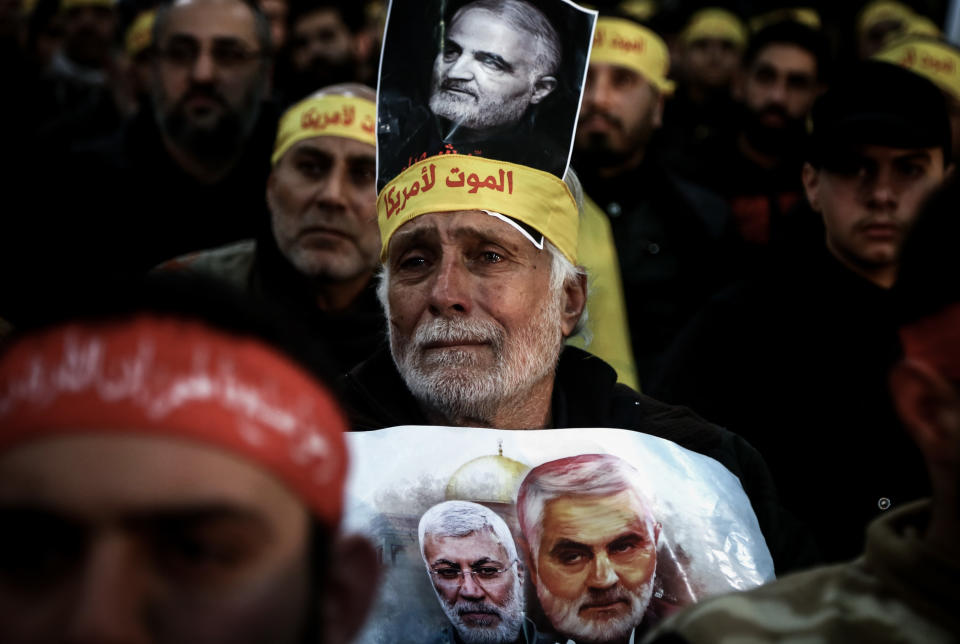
(494, 78)
(562, 535)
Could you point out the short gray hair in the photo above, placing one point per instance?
(461, 519)
(525, 17)
(586, 475)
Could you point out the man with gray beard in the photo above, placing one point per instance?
(479, 305)
(591, 545)
(472, 561)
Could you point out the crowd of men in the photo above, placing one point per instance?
(773, 187)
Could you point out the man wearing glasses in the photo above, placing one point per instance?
(473, 563)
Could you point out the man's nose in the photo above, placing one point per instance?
(450, 289)
(470, 589)
(462, 68)
(332, 188)
(881, 190)
(110, 606)
(203, 69)
(602, 572)
(598, 92)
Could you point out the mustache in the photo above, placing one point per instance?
(458, 330)
(202, 91)
(605, 596)
(464, 606)
(455, 85)
(606, 116)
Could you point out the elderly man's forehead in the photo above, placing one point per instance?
(460, 226)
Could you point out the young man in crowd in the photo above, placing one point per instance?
(904, 586)
(795, 360)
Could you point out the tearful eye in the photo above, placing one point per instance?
(490, 257)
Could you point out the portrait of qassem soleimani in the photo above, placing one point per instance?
(500, 79)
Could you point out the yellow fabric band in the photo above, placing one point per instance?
(932, 59)
(450, 182)
(140, 34)
(715, 23)
(621, 42)
(803, 15)
(923, 26)
(326, 115)
(638, 9)
(883, 11)
(74, 4)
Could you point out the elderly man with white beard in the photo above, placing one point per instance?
(472, 561)
(591, 546)
(481, 288)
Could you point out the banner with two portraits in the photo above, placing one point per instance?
(583, 535)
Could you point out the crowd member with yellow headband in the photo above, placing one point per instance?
(938, 61)
(707, 55)
(316, 259)
(138, 46)
(710, 47)
(482, 284)
(671, 236)
(877, 22)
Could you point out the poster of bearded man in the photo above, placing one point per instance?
(584, 535)
(491, 78)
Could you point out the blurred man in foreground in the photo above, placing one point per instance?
(172, 476)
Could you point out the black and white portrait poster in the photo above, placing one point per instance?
(565, 535)
(493, 78)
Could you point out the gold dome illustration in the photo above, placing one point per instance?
(487, 479)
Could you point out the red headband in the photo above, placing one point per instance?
(936, 341)
(169, 377)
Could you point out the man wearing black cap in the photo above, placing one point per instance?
(796, 360)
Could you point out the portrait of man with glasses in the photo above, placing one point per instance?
(472, 561)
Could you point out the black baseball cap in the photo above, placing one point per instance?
(877, 103)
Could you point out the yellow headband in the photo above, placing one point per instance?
(932, 59)
(621, 42)
(326, 115)
(66, 5)
(922, 26)
(803, 15)
(452, 182)
(638, 9)
(140, 34)
(882, 11)
(715, 23)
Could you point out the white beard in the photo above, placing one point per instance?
(510, 614)
(453, 383)
(564, 615)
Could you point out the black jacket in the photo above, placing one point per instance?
(586, 394)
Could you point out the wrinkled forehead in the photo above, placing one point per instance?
(460, 228)
(477, 546)
(496, 34)
(593, 519)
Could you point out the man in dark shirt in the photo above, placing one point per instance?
(796, 360)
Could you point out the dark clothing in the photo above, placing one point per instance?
(344, 338)
(689, 126)
(120, 206)
(796, 362)
(759, 197)
(586, 394)
(676, 246)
